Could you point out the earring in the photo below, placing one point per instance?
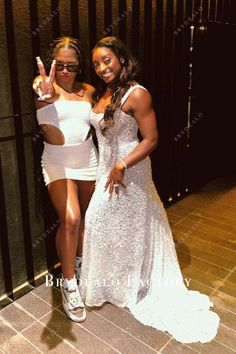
(122, 60)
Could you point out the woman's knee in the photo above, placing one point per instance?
(71, 222)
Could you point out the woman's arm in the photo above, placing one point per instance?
(140, 104)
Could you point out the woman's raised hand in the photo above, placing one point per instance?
(43, 84)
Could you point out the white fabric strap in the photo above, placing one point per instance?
(130, 90)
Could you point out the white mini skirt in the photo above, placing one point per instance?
(77, 161)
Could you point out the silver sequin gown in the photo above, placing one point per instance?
(129, 256)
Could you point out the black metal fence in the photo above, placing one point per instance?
(163, 34)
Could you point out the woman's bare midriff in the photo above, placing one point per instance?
(52, 135)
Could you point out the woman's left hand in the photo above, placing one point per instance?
(115, 178)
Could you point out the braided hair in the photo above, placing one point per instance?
(68, 43)
(128, 74)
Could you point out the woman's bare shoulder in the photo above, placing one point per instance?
(89, 88)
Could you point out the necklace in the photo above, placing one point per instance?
(74, 93)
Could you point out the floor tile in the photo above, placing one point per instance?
(116, 337)
(232, 277)
(173, 347)
(173, 219)
(49, 294)
(207, 244)
(34, 305)
(226, 214)
(227, 317)
(213, 347)
(218, 260)
(227, 337)
(123, 318)
(210, 280)
(6, 332)
(206, 236)
(224, 300)
(47, 341)
(75, 334)
(18, 344)
(201, 264)
(228, 198)
(17, 318)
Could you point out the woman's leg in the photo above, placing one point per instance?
(64, 196)
(85, 192)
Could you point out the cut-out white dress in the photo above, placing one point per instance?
(129, 256)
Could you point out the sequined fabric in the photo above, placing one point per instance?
(129, 257)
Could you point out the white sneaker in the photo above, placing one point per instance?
(73, 305)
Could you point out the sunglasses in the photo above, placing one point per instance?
(69, 67)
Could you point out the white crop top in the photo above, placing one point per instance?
(70, 117)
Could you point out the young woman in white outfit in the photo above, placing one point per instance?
(69, 160)
(129, 256)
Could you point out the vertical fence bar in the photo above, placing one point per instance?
(74, 18)
(147, 69)
(135, 25)
(107, 18)
(92, 23)
(19, 141)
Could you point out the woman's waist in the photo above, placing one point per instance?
(70, 155)
(65, 134)
(79, 145)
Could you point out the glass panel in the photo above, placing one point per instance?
(36, 218)
(13, 211)
(23, 53)
(6, 127)
(100, 18)
(115, 14)
(44, 28)
(5, 91)
(65, 18)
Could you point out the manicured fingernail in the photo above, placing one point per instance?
(38, 59)
(54, 61)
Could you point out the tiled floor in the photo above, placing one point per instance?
(204, 228)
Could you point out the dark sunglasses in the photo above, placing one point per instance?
(70, 67)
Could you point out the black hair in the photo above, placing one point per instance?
(69, 43)
(128, 74)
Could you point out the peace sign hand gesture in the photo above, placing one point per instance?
(43, 84)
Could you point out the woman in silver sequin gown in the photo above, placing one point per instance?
(129, 257)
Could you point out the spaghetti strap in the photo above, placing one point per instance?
(130, 90)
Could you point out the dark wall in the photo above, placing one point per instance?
(159, 34)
